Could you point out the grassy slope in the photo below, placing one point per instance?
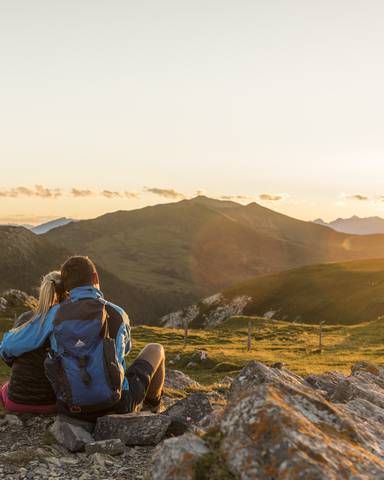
(338, 293)
(182, 251)
(273, 341)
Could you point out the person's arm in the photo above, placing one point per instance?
(123, 339)
(25, 339)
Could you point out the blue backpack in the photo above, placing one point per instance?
(84, 369)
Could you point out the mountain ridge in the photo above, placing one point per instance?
(160, 258)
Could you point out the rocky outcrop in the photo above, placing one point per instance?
(209, 313)
(13, 302)
(275, 425)
(278, 425)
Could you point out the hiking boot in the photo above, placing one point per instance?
(153, 406)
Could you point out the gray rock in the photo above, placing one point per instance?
(88, 426)
(133, 428)
(276, 425)
(113, 446)
(72, 437)
(363, 386)
(282, 430)
(255, 374)
(175, 458)
(190, 410)
(178, 380)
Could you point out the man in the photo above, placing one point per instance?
(144, 379)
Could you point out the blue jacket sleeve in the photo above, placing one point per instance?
(25, 339)
(123, 339)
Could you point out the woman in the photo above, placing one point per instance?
(28, 390)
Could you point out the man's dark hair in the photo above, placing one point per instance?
(77, 271)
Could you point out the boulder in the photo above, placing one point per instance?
(188, 412)
(133, 428)
(73, 437)
(176, 458)
(283, 432)
(191, 409)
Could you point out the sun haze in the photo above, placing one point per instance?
(120, 104)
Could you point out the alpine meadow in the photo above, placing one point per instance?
(192, 240)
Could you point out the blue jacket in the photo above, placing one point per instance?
(29, 338)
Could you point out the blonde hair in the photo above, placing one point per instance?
(48, 295)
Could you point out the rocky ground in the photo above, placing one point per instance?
(271, 425)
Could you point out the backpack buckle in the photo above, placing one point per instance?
(75, 409)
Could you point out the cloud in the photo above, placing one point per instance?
(267, 197)
(356, 196)
(38, 191)
(133, 195)
(111, 194)
(79, 193)
(165, 192)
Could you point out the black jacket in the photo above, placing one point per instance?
(28, 384)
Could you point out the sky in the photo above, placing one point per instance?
(119, 104)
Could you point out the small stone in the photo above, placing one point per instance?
(14, 421)
(113, 446)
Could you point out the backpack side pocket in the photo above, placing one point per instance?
(114, 372)
(56, 375)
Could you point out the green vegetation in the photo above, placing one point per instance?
(273, 341)
(168, 256)
(337, 293)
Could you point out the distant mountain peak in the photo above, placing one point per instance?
(47, 226)
(356, 225)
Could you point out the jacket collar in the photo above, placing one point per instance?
(88, 291)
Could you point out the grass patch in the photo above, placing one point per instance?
(272, 341)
